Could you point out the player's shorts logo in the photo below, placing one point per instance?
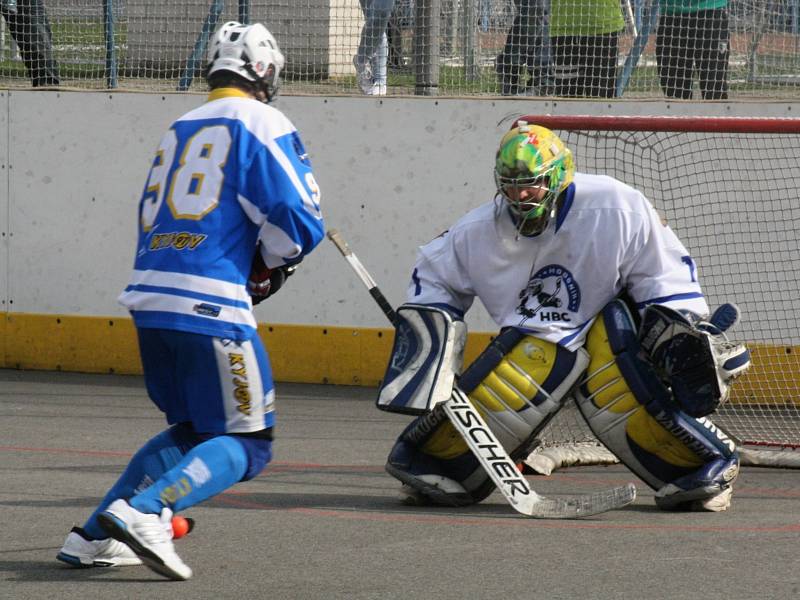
(551, 293)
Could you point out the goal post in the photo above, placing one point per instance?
(730, 188)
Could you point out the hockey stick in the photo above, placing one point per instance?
(484, 444)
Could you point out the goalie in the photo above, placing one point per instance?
(595, 297)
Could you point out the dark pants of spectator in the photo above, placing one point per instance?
(526, 50)
(30, 29)
(394, 37)
(585, 66)
(689, 42)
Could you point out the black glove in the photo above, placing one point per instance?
(264, 282)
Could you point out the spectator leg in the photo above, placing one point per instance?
(537, 46)
(376, 19)
(672, 55)
(508, 63)
(600, 73)
(567, 65)
(712, 64)
(395, 40)
(31, 31)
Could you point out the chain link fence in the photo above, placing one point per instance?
(607, 48)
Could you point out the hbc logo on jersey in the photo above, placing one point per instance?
(549, 291)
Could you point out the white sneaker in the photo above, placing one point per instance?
(82, 552)
(377, 89)
(148, 535)
(364, 76)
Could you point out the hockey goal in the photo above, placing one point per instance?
(730, 188)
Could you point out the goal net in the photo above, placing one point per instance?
(730, 188)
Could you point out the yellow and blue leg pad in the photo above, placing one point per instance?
(517, 384)
(634, 415)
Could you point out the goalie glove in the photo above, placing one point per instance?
(263, 282)
(694, 358)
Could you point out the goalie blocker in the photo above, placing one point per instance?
(628, 405)
(427, 354)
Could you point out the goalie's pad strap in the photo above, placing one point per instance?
(632, 413)
(489, 359)
(517, 396)
(427, 352)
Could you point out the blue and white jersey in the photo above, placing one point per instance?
(606, 238)
(226, 175)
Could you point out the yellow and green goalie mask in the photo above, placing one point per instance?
(532, 168)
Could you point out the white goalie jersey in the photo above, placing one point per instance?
(606, 238)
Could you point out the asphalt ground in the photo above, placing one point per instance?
(323, 520)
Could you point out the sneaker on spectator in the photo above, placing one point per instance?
(148, 535)
(364, 76)
(83, 552)
(377, 89)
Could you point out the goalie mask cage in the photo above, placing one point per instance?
(730, 188)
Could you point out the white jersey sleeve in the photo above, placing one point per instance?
(446, 272)
(658, 268)
(440, 277)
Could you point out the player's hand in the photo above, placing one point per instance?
(263, 282)
(258, 281)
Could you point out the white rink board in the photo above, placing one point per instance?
(394, 173)
(4, 178)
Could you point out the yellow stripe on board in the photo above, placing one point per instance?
(773, 378)
(340, 355)
(70, 343)
(304, 353)
(299, 353)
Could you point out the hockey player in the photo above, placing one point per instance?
(595, 298)
(229, 208)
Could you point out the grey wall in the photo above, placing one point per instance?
(394, 173)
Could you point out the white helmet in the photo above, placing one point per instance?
(250, 51)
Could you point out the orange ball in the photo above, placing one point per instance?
(180, 527)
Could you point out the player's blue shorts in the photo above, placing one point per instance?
(219, 385)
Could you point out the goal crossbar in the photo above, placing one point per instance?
(783, 125)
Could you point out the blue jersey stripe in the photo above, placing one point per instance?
(665, 299)
(187, 294)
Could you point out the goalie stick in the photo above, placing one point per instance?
(484, 444)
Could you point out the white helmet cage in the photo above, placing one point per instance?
(249, 51)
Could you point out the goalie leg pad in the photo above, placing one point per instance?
(517, 384)
(633, 415)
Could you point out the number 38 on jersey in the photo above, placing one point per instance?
(192, 187)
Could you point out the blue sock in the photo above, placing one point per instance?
(207, 469)
(155, 458)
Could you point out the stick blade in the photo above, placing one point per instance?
(576, 507)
